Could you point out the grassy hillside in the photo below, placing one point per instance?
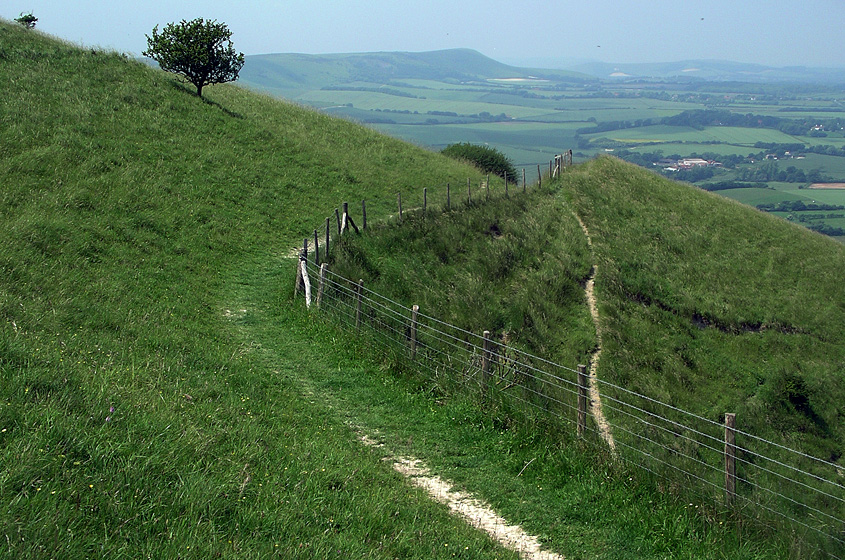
(705, 305)
(160, 396)
(136, 418)
(714, 307)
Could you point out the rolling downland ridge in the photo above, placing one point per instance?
(160, 395)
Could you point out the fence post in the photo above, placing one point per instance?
(730, 457)
(448, 196)
(399, 199)
(322, 283)
(306, 281)
(337, 217)
(523, 180)
(344, 219)
(583, 388)
(328, 226)
(469, 191)
(305, 248)
(316, 248)
(425, 200)
(414, 312)
(539, 176)
(485, 365)
(360, 292)
(364, 213)
(298, 282)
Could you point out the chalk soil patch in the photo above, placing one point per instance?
(477, 513)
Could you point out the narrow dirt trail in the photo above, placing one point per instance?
(595, 396)
(476, 512)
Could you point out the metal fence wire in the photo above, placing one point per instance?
(778, 486)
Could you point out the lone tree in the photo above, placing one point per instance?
(199, 50)
(27, 20)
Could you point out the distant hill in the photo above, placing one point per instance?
(298, 71)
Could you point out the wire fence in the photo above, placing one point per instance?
(767, 481)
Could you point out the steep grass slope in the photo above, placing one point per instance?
(705, 305)
(134, 420)
(715, 307)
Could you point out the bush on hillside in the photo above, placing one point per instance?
(489, 160)
(27, 20)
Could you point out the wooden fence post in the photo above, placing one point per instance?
(306, 281)
(448, 196)
(583, 389)
(298, 282)
(414, 312)
(523, 180)
(539, 176)
(305, 248)
(337, 217)
(364, 214)
(469, 191)
(399, 199)
(316, 248)
(485, 364)
(344, 218)
(730, 457)
(360, 292)
(328, 226)
(321, 285)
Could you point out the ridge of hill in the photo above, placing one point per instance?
(297, 71)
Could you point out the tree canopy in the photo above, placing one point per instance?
(200, 50)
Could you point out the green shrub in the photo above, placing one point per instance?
(489, 160)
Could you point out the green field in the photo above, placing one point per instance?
(740, 138)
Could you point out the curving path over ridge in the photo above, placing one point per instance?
(595, 396)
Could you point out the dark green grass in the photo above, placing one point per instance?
(513, 266)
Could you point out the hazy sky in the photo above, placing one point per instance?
(773, 32)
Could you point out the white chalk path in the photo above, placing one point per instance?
(477, 513)
(595, 396)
